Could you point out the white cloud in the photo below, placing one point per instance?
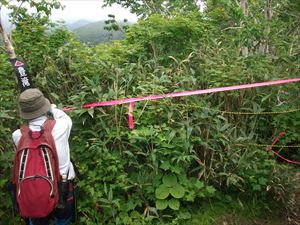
(90, 10)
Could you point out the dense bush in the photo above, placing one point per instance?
(183, 151)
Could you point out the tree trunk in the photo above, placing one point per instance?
(244, 6)
(264, 46)
(9, 48)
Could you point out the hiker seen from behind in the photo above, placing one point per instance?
(43, 173)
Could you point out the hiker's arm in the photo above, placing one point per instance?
(61, 133)
(61, 115)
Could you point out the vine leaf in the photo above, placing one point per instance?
(161, 204)
(170, 180)
(177, 191)
(162, 192)
(174, 204)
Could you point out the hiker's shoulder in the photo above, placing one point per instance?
(16, 135)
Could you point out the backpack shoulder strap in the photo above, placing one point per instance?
(48, 125)
(24, 129)
(47, 132)
(24, 141)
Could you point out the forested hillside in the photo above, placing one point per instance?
(77, 24)
(202, 159)
(95, 33)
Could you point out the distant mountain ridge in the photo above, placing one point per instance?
(77, 24)
(95, 33)
(87, 31)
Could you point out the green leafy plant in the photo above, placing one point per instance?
(186, 152)
(169, 187)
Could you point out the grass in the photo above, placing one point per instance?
(237, 212)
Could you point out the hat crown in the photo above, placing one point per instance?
(30, 95)
(33, 103)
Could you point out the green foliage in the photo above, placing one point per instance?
(183, 152)
(8, 122)
(161, 37)
(148, 8)
(237, 211)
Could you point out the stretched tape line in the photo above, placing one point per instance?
(131, 101)
(185, 93)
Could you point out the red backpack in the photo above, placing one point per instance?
(36, 172)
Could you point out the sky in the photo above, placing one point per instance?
(90, 10)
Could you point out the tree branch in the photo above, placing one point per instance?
(229, 28)
(9, 48)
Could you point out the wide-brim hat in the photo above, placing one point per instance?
(32, 104)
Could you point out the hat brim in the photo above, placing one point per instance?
(31, 115)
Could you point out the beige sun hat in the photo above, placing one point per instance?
(32, 104)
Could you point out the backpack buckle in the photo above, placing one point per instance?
(36, 134)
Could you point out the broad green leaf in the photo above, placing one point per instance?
(184, 215)
(161, 204)
(190, 196)
(256, 187)
(135, 214)
(165, 165)
(176, 169)
(174, 204)
(210, 189)
(162, 192)
(225, 127)
(199, 184)
(262, 181)
(170, 180)
(55, 96)
(91, 112)
(171, 136)
(177, 191)
(110, 194)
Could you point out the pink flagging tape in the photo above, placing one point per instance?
(181, 94)
(185, 93)
(130, 115)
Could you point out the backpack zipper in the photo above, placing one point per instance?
(34, 177)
